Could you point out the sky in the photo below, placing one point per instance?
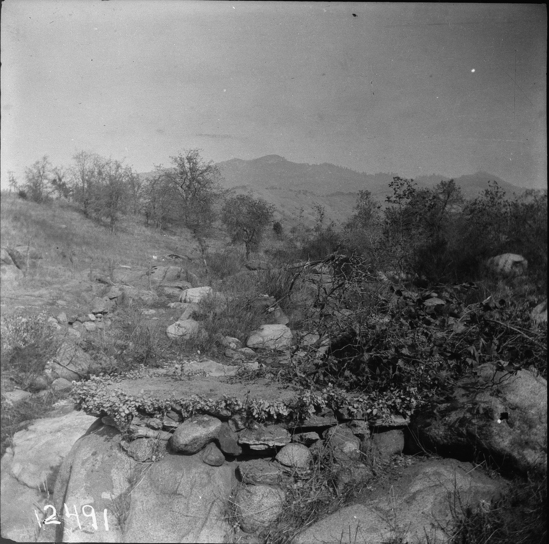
(410, 89)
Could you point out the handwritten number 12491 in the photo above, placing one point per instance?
(52, 518)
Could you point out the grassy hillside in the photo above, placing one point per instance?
(71, 244)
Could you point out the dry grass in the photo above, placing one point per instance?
(70, 241)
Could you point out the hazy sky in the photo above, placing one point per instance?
(383, 87)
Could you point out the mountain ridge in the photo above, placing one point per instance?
(296, 189)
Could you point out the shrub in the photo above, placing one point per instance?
(277, 283)
(234, 315)
(28, 342)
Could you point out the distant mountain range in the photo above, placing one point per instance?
(296, 188)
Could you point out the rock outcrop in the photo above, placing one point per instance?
(418, 505)
(500, 414)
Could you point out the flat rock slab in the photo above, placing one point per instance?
(205, 386)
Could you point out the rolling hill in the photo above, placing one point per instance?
(295, 189)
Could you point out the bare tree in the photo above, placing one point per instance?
(37, 180)
(84, 178)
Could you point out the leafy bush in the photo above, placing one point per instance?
(28, 342)
(411, 345)
(131, 344)
(234, 315)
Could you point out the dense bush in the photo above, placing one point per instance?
(412, 345)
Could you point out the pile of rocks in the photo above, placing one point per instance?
(268, 456)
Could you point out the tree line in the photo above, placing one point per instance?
(186, 194)
(435, 234)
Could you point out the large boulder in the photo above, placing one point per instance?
(496, 413)
(270, 337)
(30, 467)
(176, 499)
(419, 505)
(508, 265)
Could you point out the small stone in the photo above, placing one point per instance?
(227, 440)
(91, 317)
(270, 337)
(232, 354)
(294, 456)
(231, 342)
(174, 416)
(237, 423)
(89, 326)
(61, 384)
(39, 383)
(154, 423)
(17, 396)
(211, 455)
(101, 305)
(186, 329)
(195, 294)
(141, 449)
(247, 352)
(220, 413)
(62, 318)
(352, 474)
(343, 443)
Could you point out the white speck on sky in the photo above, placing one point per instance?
(376, 87)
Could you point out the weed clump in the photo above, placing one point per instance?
(28, 342)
